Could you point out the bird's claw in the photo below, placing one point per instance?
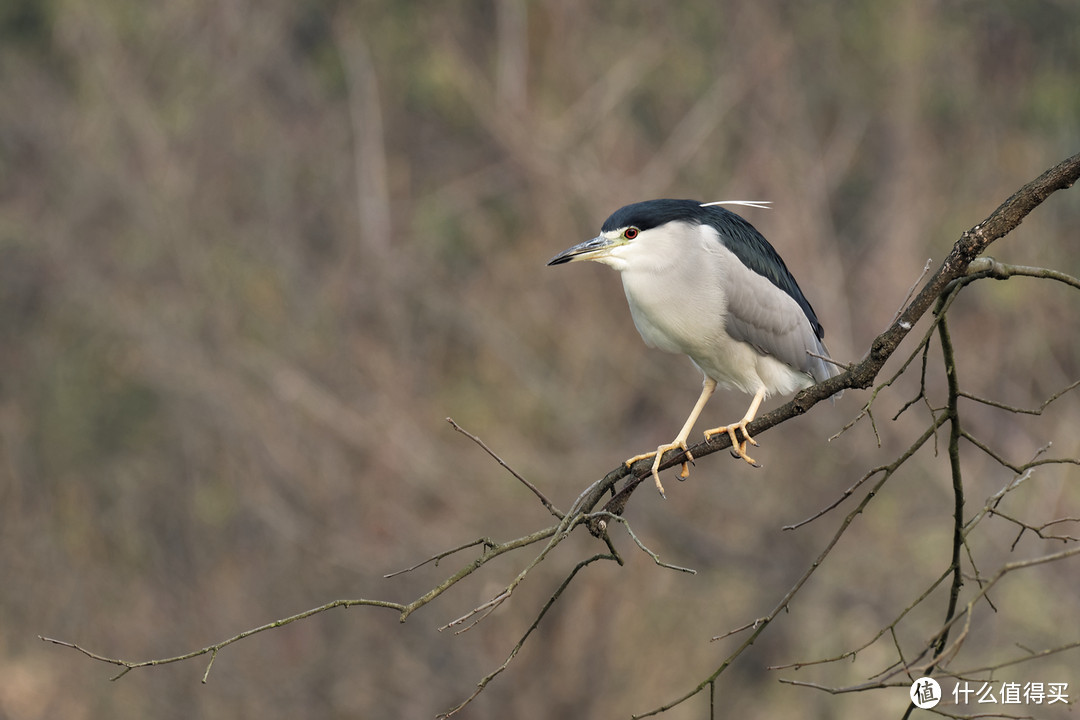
(738, 447)
(657, 456)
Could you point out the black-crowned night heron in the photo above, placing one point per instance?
(701, 281)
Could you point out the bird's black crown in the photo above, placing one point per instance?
(654, 213)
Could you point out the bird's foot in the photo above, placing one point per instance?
(738, 447)
(658, 455)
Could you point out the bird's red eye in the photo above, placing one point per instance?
(630, 233)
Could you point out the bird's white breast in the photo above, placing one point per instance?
(680, 305)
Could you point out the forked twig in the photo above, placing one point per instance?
(488, 544)
(535, 490)
(212, 650)
(633, 536)
(520, 643)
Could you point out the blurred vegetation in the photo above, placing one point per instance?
(252, 254)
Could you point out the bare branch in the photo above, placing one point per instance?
(520, 643)
(888, 470)
(488, 544)
(752, 625)
(212, 650)
(989, 267)
(949, 360)
(890, 628)
(1037, 529)
(490, 552)
(941, 657)
(913, 288)
(561, 531)
(1025, 411)
(647, 551)
(1027, 657)
(535, 490)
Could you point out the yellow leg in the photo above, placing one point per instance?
(738, 446)
(679, 442)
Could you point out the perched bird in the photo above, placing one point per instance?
(701, 281)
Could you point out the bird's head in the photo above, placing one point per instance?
(626, 233)
(644, 230)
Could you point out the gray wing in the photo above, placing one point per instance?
(773, 322)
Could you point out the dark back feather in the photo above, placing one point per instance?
(737, 235)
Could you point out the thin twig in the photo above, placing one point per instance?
(634, 537)
(520, 643)
(752, 625)
(490, 552)
(912, 289)
(965, 614)
(949, 359)
(212, 650)
(488, 544)
(535, 490)
(890, 628)
(1028, 657)
(1020, 410)
(887, 469)
(483, 610)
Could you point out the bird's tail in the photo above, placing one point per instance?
(824, 367)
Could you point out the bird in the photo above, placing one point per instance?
(700, 280)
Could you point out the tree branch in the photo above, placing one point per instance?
(212, 650)
(957, 270)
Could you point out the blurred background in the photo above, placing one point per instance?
(253, 254)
